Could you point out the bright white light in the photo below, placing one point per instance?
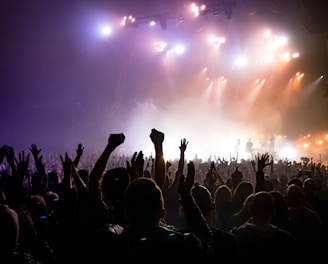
(106, 30)
(286, 56)
(241, 61)
(268, 59)
(180, 49)
(275, 42)
(288, 151)
(128, 20)
(159, 46)
(282, 40)
(152, 23)
(295, 55)
(196, 10)
(216, 41)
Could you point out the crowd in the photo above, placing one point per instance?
(98, 208)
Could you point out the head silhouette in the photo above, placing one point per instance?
(144, 203)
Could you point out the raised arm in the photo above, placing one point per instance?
(217, 174)
(3, 177)
(182, 147)
(136, 167)
(3, 152)
(40, 177)
(15, 193)
(97, 171)
(262, 162)
(157, 137)
(79, 153)
(10, 157)
(196, 222)
(37, 157)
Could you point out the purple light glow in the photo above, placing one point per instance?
(62, 85)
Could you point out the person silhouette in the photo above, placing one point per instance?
(249, 148)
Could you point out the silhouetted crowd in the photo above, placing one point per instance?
(86, 207)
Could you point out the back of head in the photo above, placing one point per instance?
(294, 195)
(114, 183)
(144, 203)
(51, 199)
(37, 206)
(203, 198)
(295, 181)
(248, 201)
(275, 183)
(242, 190)
(236, 177)
(281, 213)
(222, 196)
(309, 187)
(9, 230)
(262, 205)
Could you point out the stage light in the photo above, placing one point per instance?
(216, 41)
(159, 46)
(295, 55)
(268, 59)
(198, 10)
(179, 49)
(285, 56)
(129, 21)
(241, 61)
(282, 40)
(106, 30)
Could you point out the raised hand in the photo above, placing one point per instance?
(67, 169)
(34, 150)
(3, 152)
(115, 140)
(22, 165)
(262, 161)
(213, 168)
(157, 137)
(183, 145)
(186, 183)
(168, 164)
(136, 167)
(10, 156)
(79, 153)
(79, 150)
(38, 158)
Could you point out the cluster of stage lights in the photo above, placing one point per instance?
(274, 48)
(219, 7)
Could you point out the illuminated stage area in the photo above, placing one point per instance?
(213, 72)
